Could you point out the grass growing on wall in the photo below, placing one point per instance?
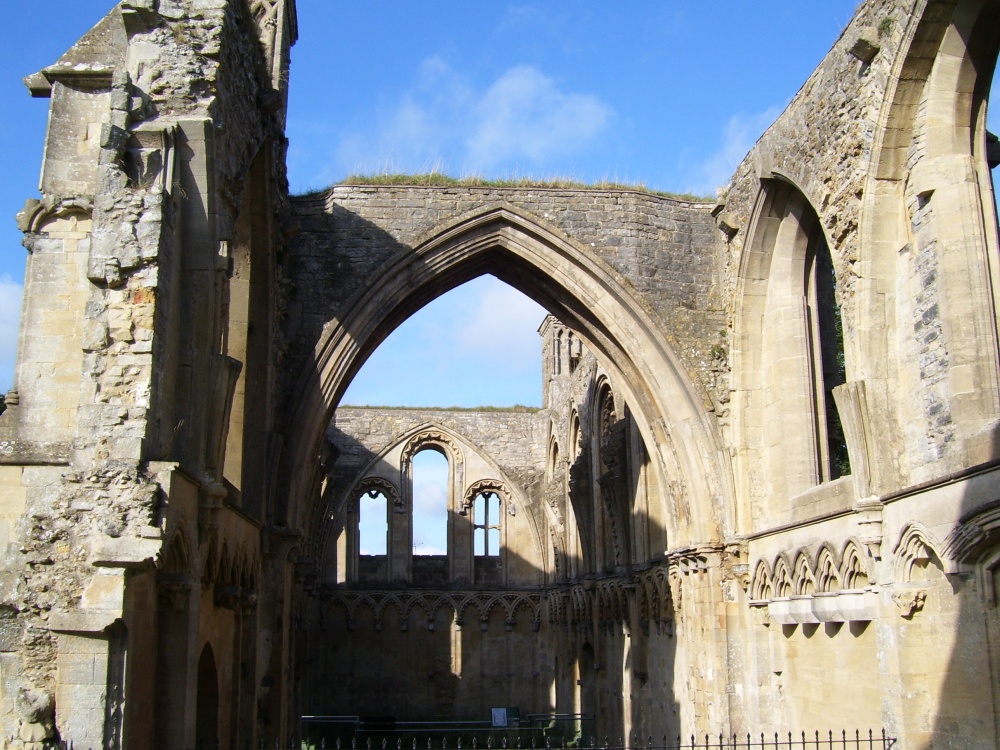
(516, 408)
(437, 179)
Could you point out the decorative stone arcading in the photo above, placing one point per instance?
(430, 602)
(425, 439)
(373, 486)
(802, 586)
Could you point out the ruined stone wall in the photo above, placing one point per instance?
(823, 142)
(121, 529)
(117, 241)
(660, 245)
(514, 440)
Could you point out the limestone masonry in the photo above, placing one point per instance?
(762, 492)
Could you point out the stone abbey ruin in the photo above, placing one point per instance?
(763, 490)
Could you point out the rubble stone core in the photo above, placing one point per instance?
(760, 493)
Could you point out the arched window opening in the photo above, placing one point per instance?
(574, 351)
(828, 361)
(553, 468)
(486, 524)
(373, 524)
(248, 304)
(434, 346)
(793, 318)
(430, 502)
(557, 354)
(574, 437)
(605, 421)
(610, 485)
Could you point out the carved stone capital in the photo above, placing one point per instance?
(174, 591)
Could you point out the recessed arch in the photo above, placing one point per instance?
(789, 354)
(207, 713)
(576, 287)
(928, 240)
(761, 588)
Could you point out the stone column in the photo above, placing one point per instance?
(175, 672)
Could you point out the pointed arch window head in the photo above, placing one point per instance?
(553, 463)
(793, 318)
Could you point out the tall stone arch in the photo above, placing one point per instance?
(789, 356)
(580, 290)
(929, 240)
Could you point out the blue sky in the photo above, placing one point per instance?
(670, 94)
(666, 93)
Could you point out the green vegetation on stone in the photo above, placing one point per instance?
(516, 408)
(437, 179)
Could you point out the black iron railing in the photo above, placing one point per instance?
(385, 733)
(481, 736)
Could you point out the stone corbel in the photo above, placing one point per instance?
(910, 601)
(240, 600)
(866, 45)
(729, 224)
(226, 597)
(761, 615)
(247, 601)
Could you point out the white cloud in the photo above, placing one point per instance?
(429, 498)
(503, 320)
(10, 317)
(523, 114)
(740, 135)
(522, 119)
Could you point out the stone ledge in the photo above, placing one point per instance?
(838, 606)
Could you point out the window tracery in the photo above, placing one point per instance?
(486, 524)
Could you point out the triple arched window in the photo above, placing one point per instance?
(431, 525)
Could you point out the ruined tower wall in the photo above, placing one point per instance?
(126, 277)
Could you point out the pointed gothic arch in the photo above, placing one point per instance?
(928, 241)
(790, 353)
(580, 290)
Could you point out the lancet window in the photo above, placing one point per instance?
(486, 524)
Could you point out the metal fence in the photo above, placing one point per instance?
(385, 733)
(533, 739)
